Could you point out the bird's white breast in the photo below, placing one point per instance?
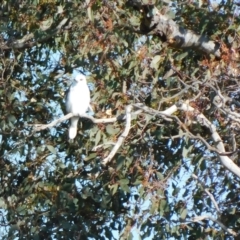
(78, 98)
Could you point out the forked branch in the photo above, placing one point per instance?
(166, 115)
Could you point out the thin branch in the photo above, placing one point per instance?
(39, 127)
(102, 145)
(201, 119)
(154, 112)
(200, 218)
(122, 136)
(209, 147)
(29, 39)
(190, 135)
(208, 193)
(168, 116)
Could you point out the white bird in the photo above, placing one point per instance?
(77, 102)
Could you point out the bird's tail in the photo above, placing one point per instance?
(72, 132)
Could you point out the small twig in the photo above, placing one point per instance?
(154, 112)
(101, 145)
(209, 147)
(200, 218)
(122, 136)
(29, 41)
(208, 193)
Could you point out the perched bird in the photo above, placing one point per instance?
(77, 102)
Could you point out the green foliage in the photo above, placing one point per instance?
(51, 189)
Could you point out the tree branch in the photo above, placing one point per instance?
(226, 161)
(200, 218)
(39, 127)
(208, 193)
(122, 136)
(155, 23)
(166, 114)
(25, 42)
(201, 119)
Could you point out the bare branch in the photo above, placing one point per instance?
(200, 218)
(220, 149)
(155, 23)
(122, 136)
(226, 161)
(208, 193)
(209, 147)
(102, 145)
(166, 114)
(39, 127)
(29, 41)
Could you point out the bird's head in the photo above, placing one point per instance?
(80, 79)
